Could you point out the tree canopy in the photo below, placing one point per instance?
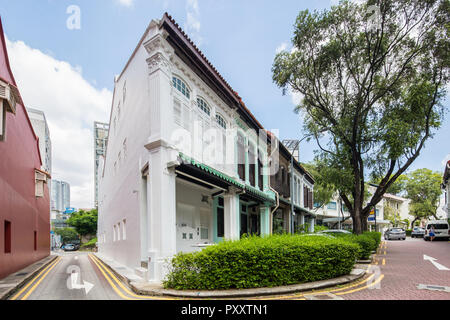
(84, 222)
(371, 92)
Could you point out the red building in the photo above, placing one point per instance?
(24, 193)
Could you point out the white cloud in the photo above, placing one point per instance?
(445, 160)
(282, 47)
(126, 3)
(193, 25)
(71, 105)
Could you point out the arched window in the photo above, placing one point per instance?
(181, 86)
(221, 121)
(203, 106)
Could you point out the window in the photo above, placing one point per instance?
(241, 156)
(332, 206)
(181, 86)
(124, 233)
(118, 231)
(252, 165)
(260, 172)
(40, 180)
(7, 233)
(35, 241)
(8, 96)
(203, 106)
(221, 121)
(220, 218)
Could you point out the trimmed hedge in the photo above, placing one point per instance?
(366, 243)
(375, 236)
(254, 262)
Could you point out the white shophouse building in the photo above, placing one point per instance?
(162, 189)
(446, 188)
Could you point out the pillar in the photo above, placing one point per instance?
(264, 215)
(231, 215)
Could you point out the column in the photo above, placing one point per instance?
(312, 222)
(264, 215)
(161, 196)
(231, 215)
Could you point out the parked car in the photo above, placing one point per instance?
(70, 247)
(334, 231)
(417, 232)
(395, 233)
(441, 230)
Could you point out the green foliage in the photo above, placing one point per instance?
(371, 96)
(67, 234)
(375, 236)
(408, 232)
(85, 222)
(90, 244)
(318, 228)
(366, 242)
(323, 188)
(262, 262)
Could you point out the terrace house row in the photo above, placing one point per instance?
(187, 164)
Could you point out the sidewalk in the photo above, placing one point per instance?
(15, 281)
(154, 289)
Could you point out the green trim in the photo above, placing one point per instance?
(241, 124)
(268, 196)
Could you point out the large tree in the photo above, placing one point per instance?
(423, 187)
(84, 222)
(371, 92)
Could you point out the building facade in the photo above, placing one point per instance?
(100, 142)
(24, 194)
(187, 164)
(40, 126)
(60, 201)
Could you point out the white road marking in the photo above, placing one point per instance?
(433, 261)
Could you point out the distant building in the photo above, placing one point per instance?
(24, 194)
(60, 201)
(40, 126)
(100, 142)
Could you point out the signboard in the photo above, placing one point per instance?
(69, 210)
(371, 215)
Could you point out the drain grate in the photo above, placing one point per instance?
(433, 287)
(21, 274)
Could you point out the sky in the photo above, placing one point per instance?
(65, 67)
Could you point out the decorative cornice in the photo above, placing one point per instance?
(159, 62)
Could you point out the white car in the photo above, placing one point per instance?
(441, 230)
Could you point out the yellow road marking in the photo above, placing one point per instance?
(362, 288)
(39, 281)
(30, 282)
(124, 287)
(320, 291)
(110, 282)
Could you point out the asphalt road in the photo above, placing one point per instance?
(397, 273)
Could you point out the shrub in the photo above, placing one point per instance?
(319, 228)
(375, 236)
(254, 262)
(365, 242)
(408, 232)
(90, 244)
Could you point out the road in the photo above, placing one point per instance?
(397, 271)
(76, 276)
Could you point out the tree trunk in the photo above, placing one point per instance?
(357, 227)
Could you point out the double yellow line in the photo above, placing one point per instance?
(112, 280)
(44, 273)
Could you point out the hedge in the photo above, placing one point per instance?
(376, 236)
(254, 262)
(366, 243)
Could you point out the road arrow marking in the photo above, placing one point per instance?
(433, 261)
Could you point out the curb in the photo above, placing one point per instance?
(30, 276)
(139, 288)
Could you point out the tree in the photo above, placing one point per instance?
(371, 95)
(67, 234)
(324, 190)
(84, 222)
(423, 187)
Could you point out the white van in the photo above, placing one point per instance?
(441, 229)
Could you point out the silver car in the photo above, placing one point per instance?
(417, 232)
(395, 233)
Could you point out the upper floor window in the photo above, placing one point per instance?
(221, 121)
(181, 86)
(203, 106)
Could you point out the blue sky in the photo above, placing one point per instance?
(240, 38)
